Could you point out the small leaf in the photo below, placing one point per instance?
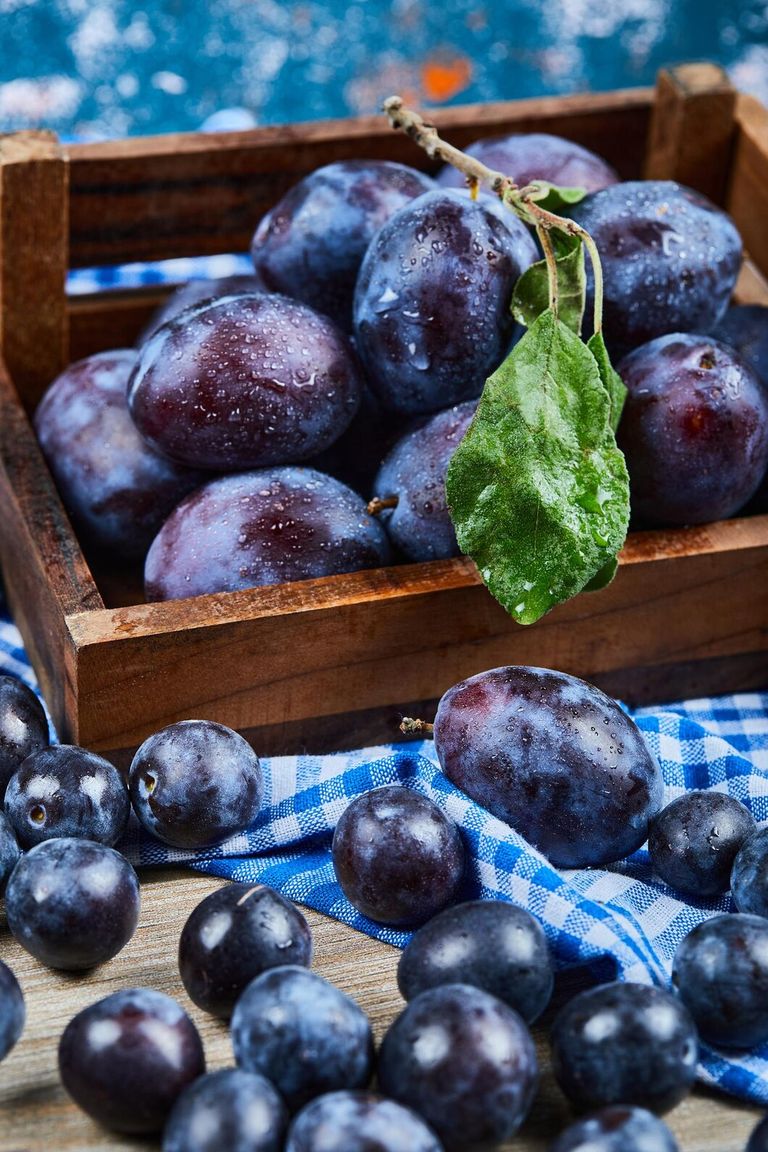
(612, 382)
(531, 295)
(538, 490)
(554, 198)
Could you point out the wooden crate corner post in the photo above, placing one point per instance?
(692, 129)
(34, 249)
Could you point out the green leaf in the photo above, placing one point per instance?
(531, 295)
(604, 577)
(538, 490)
(554, 198)
(612, 382)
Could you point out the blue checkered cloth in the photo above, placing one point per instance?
(620, 921)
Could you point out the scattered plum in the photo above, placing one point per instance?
(720, 971)
(359, 1122)
(311, 243)
(227, 1111)
(432, 316)
(72, 904)
(234, 935)
(489, 944)
(126, 1059)
(670, 259)
(245, 382)
(555, 758)
(265, 527)
(619, 1128)
(464, 1061)
(303, 1034)
(117, 489)
(624, 1044)
(694, 840)
(9, 851)
(195, 783)
(23, 726)
(694, 430)
(749, 875)
(12, 1010)
(66, 791)
(398, 858)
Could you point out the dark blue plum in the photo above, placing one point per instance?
(12, 1010)
(72, 904)
(694, 430)
(126, 1059)
(670, 259)
(720, 972)
(359, 1122)
(229, 1110)
(749, 875)
(745, 328)
(624, 1044)
(489, 944)
(311, 243)
(303, 1034)
(23, 726)
(266, 527)
(116, 488)
(245, 381)
(414, 471)
(555, 758)
(694, 840)
(234, 935)
(465, 1062)
(432, 316)
(398, 858)
(9, 851)
(195, 783)
(758, 1140)
(617, 1129)
(529, 156)
(195, 292)
(67, 791)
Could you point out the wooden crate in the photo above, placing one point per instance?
(332, 662)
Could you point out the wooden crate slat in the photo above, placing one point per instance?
(692, 129)
(749, 179)
(34, 236)
(44, 571)
(197, 194)
(352, 644)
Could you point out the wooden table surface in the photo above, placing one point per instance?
(37, 1116)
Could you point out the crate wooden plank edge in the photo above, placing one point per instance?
(140, 199)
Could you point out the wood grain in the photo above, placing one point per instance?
(692, 129)
(34, 235)
(37, 1116)
(749, 178)
(200, 194)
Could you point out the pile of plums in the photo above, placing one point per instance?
(241, 442)
(552, 756)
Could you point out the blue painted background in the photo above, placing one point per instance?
(111, 67)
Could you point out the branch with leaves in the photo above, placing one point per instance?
(538, 489)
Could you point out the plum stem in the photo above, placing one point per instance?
(409, 726)
(522, 201)
(380, 503)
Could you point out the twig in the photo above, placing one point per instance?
(522, 201)
(380, 503)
